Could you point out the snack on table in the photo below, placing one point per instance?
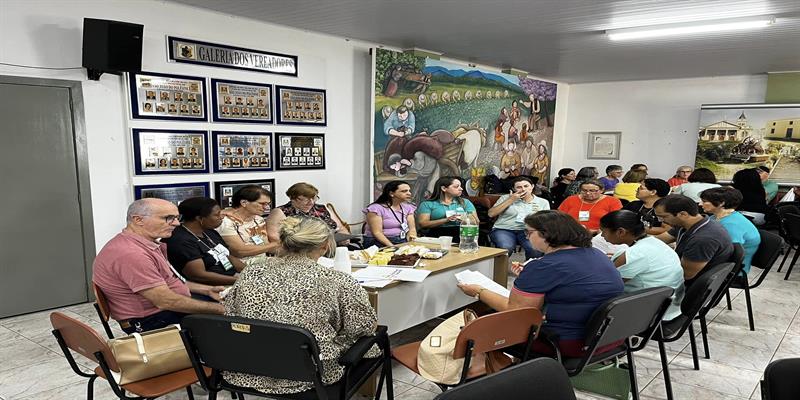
(410, 249)
(404, 259)
(433, 255)
(380, 259)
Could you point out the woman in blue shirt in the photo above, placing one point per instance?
(441, 214)
(647, 261)
(721, 202)
(568, 283)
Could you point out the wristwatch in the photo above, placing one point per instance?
(478, 295)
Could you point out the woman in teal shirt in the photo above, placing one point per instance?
(647, 261)
(441, 214)
(721, 202)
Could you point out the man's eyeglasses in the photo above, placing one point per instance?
(167, 218)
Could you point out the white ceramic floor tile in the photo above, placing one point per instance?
(37, 378)
(656, 389)
(715, 376)
(20, 352)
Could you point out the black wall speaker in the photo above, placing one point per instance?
(111, 46)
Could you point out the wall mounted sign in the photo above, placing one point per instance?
(300, 106)
(223, 191)
(242, 151)
(219, 55)
(158, 151)
(248, 102)
(603, 145)
(300, 151)
(172, 192)
(167, 97)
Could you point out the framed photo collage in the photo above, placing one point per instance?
(168, 151)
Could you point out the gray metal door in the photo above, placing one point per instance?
(43, 262)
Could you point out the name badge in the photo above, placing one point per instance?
(403, 230)
(583, 216)
(226, 262)
(257, 239)
(220, 249)
(449, 213)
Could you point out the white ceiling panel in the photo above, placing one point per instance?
(557, 39)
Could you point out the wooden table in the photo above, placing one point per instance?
(401, 305)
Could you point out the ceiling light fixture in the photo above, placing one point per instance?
(688, 28)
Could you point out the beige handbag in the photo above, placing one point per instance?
(435, 360)
(144, 355)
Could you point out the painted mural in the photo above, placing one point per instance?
(436, 119)
(736, 136)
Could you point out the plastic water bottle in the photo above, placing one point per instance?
(469, 234)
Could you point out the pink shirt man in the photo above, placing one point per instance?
(128, 264)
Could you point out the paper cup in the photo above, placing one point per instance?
(445, 242)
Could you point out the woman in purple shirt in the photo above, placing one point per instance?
(390, 219)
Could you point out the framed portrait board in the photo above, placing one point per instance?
(162, 151)
(300, 151)
(223, 191)
(244, 102)
(603, 145)
(300, 106)
(167, 97)
(242, 151)
(172, 192)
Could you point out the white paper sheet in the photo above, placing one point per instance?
(391, 273)
(374, 283)
(599, 243)
(470, 277)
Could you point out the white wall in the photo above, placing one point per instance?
(658, 119)
(49, 33)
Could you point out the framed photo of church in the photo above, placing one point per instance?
(603, 145)
(172, 192)
(166, 151)
(223, 191)
(242, 102)
(300, 151)
(300, 106)
(167, 97)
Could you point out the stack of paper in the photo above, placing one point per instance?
(382, 276)
(476, 278)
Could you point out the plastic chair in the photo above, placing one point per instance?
(103, 311)
(782, 209)
(74, 335)
(543, 376)
(488, 333)
(617, 321)
(700, 293)
(780, 380)
(258, 347)
(737, 258)
(765, 256)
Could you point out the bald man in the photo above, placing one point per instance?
(144, 292)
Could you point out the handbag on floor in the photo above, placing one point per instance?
(144, 355)
(435, 360)
(607, 380)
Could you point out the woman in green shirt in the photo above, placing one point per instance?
(441, 214)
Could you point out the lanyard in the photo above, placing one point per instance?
(685, 234)
(200, 239)
(402, 216)
(590, 208)
(236, 227)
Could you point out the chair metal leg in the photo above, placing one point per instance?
(189, 392)
(665, 368)
(785, 256)
(704, 336)
(794, 260)
(749, 307)
(728, 298)
(632, 374)
(693, 343)
(90, 388)
(212, 394)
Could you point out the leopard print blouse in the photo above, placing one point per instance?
(296, 290)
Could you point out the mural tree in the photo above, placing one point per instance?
(384, 60)
(543, 91)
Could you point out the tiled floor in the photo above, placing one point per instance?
(32, 367)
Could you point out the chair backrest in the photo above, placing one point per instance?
(793, 226)
(782, 209)
(102, 303)
(700, 293)
(541, 378)
(768, 251)
(636, 313)
(82, 339)
(498, 330)
(252, 346)
(780, 380)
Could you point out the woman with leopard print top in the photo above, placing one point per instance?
(294, 289)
